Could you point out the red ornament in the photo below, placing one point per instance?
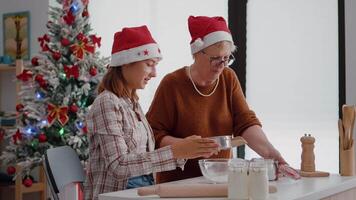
(19, 107)
(39, 78)
(25, 75)
(85, 129)
(69, 18)
(93, 71)
(95, 40)
(2, 134)
(42, 138)
(73, 108)
(85, 13)
(27, 182)
(71, 71)
(65, 42)
(17, 136)
(56, 56)
(34, 61)
(11, 170)
(80, 36)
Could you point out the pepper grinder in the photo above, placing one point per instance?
(307, 167)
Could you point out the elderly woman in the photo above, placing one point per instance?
(121, 143)
(205, 99)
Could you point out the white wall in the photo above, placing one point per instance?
(38, 18)
(292, 75)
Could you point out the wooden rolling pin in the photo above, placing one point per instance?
(189, 190)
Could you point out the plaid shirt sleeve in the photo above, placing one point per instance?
(109, 130)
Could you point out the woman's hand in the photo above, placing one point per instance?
(194, 147)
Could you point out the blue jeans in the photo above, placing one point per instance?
(140, 181)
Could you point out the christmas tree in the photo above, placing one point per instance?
(56, 89)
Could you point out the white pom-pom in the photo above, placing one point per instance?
(199, 42)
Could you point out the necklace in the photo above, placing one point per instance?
(195, 87)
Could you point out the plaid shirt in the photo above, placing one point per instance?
(114, 137)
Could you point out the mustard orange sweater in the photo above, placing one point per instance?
(178, 110)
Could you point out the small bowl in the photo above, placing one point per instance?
(215, 170)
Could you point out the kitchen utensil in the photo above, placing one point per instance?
(348, 118)
(228, 141)
(215, 170)
(189, 190)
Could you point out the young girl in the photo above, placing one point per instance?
(121, 142)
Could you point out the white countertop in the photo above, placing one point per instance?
(288, 189)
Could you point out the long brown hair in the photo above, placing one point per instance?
(115, 82)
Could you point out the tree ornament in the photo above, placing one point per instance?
(42, 138)
(73, 108)
(56, 56)
(19, 107)
(85, 13)
(11, 170)
(69, 18)
(27, 182)
(93, 71)
(34, 61)
(71, 71)
(2, 134)
(25, 75)
(95, 40)
(17, 136)
(65, 42)
(57, 112)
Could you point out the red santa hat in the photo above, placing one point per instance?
(206, 31)
(133, 44)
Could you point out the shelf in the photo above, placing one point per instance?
(5, 67)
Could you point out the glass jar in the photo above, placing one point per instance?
(258, 180)
(238, 179)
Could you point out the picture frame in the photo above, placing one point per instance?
(16, 35)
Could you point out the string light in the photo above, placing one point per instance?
(39, 95)
(61, 132)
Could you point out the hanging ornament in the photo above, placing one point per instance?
(40, 80)
(62, 75)
(43, 40)
(93, 71)
(45, 48)
(76, 6)
(42, 138)
(57, 112)
(85, 129)
(69, 18)
(27, 182)
(2, 134)
(11, 170)
(65, 42)
(71, 71)
(85, 13)
(56, 55)
(34, 61)
(19, 107)
(95, 40)
(17, 136)
(83, 46)
(25, 75)
(73, 108)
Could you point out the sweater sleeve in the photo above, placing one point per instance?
(242, 115)
(161, 114)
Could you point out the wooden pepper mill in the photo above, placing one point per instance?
(308, 157)
(307, 166)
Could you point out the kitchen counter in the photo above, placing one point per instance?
(333, 187)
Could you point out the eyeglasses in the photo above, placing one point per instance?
(218, 60)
